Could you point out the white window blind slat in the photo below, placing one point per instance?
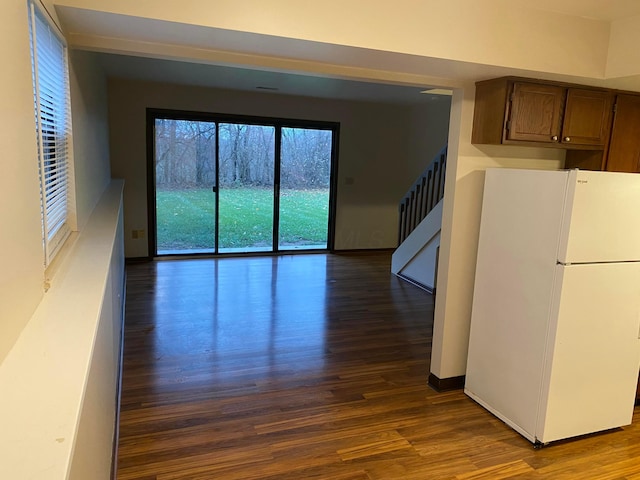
(57, 205)
(53, 177)
(57, 208)
(53, 127)
(55, 197)
(56, 221)
(55, 201)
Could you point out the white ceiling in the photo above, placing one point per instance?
(256, 80)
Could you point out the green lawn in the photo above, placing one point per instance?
(185, 218)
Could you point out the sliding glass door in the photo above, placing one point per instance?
(246, 193)
(185, 178)
(222, 185)
(305, 180)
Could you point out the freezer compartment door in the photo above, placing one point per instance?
(601, 221)
(591, 367)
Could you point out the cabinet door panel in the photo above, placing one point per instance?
(586, 118)
(624, 149)
(535, 113)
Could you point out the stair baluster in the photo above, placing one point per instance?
(423, 195)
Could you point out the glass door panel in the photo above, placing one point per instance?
(185, 172)
(305, 177)
(246, 188)
(224, 186)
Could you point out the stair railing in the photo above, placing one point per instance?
(423, 195)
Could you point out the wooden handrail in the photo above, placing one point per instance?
(424, 194)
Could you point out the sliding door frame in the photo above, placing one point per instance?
(278, 123)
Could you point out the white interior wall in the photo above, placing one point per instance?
(22, 277)
(460, 228)
(21, 256)
(624, 56)
(372, 136)
(491, 32)
(35, 344)
(429, 132)
(92, 171)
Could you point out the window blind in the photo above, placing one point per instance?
(53, 128)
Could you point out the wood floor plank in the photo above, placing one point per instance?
(514, 469)
(311, 367)
(376, 444)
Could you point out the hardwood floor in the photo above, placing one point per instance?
(311, 367)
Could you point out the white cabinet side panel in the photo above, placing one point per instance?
(595, 355)
(515, 269)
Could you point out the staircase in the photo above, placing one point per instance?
(416, 258)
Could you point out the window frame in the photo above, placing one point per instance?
(52, 103)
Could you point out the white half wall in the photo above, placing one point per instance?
(96, 426)
(59, 381)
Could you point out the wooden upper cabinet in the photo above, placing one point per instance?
(534, 113)
(624, 147)
(526, 112)
(587, 117)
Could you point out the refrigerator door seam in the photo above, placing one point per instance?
(612, 262)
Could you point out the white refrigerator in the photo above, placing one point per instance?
(554, 348)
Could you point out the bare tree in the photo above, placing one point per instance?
(185, 155)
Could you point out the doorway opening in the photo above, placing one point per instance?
(223, 184)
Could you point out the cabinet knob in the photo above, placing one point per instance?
(554, 138)
(567, 139)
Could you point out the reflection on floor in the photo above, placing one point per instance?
(311, 367)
